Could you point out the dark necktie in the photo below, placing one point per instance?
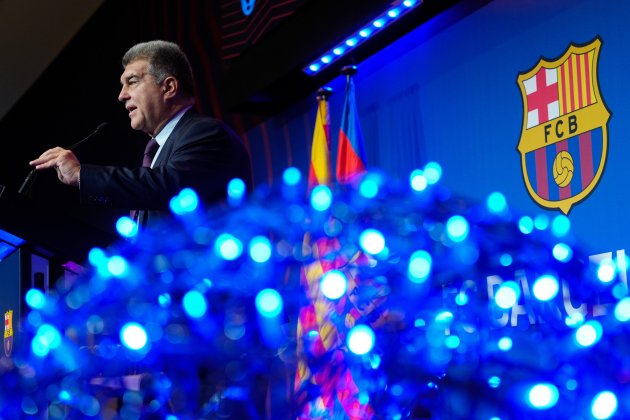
(149, 152)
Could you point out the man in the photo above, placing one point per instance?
(194, 151)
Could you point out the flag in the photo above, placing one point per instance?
(320, 172)
(351, 161)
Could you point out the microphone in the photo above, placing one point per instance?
(30, 178)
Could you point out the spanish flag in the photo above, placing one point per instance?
(320, 172)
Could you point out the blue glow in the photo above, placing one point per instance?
(543, 396)
(164, 300)
(452, 342)
(269, 303)
(126, 227)
(35, 298)
(64, 395)
(526, 225)
(604, 405)
(418, 181)
(560, 225)
(338, 51)
(546, 288)
(186, 201)
(494, 382)
(97, 257)
(420, 264)
(292, 176)
(333, 284)
(351, 42)
(325, 59)
(505, 260)
(457, 228)
(321, 198)
(574, 319)
(622, 310)
(507, 295)
(360, 339)
(260, 249)
(505, 343)
(117, 266)
(393, 13)
(496, 203)
(461, 299)
(368, 188)
(364, 33)
(541, 222)
(444, 317)
(236, 189)
(372, 241)
(589, 333)
(314, 68)
(133, 336)
(228, 247)
(378, 23)
(409, 3)
(47, 338)
(195, 304)
(432, 172)
(571, 384)
(562, 252)
(606, 270)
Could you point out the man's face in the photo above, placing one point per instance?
(143, 97)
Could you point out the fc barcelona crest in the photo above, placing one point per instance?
(564, 140)
(8, 333)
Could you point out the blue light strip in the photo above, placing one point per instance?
(365, 32)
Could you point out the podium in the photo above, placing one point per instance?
(39, 245)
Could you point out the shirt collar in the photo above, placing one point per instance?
(168, 128)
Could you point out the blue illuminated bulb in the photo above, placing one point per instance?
(546, 287)
(504, 343)
(117, 266)
(562, 252)
(589, 333)
(35, 298)
(606, 270)
(313, 67)
(321, 198)
(325, 59)
(561, 225)
(186, 201)
(368, 188)
(194, 303)
(372, 241)
(494, 381)
(47, 338)
(333, 284)
(432, 172)
(236, 189)
(378, 23)
(260, 249)
(133, 336)
(543, 396)
(496, 203)
(418, 181)
(622, 310)
(269, 303)
(126, 227)
(393, 13)
(360, 339)
(526, 225)
(291, 176)
(228, 247)
(604, 405)
(420, 264)
(364, 33)
(457, 228)
(338, 51)
(507, 295)
(97, 257)
(351, 42)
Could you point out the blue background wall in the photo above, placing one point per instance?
(447, 92)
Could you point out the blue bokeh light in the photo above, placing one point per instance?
(333, 284)
(269, 303)
(606, 270)
(126, 227)
(133, 336)
(432, 172)
(186, 201)
(291, 176)
(457, 228)
(505, 343)
(562, 252)
(604, 405)
(236, 190)
(372, 241)
(361, 339)
(228, 247)
(418, 181)
(46, 339)
(260, 249)
(496, 203)
(589, 333)
(194, 303)
(35, 298)
(546, 287)
(507, 294)
(622, 310)
(420, 264)
(526, 225)
(560, 226)
(543, 396)
(321, 198)
(368, 187)
(118, 266)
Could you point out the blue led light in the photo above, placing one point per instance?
(494, 382)
(562, 252)
(622, 310)
(419, 266)
(574, 319)
(526, 225)
(351, 42)
(496, 203)
(126, 227)
(360, 339)
(325, 59)
(393, 13)
(560, 225)
(35, 299)
(606, 270)
(378, 23)
(432, 172)
(338, 51)
(452, 342)
(368, 188)
(505, 260)
(409, 3)
(546, 288)
(133, 336)
(418, 181)
(314, 68)
(364, 33)
(269, 303)
(97, 257)
(195, 304)
(504, 343)
(604, 405)
(228, 247)
(507, 295)
(46, 339)
(117, 266)
(461, 299)
(236, 189)
(321, 198)
(542, 396)
(372, 241)
(589, 333)
(260, 249)
(541, 222)
(291, 176)
(333, 284)
(186, 201)
(457, 228)
(164, 300)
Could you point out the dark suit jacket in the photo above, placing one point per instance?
(201, 153)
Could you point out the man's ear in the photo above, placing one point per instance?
(170, 87)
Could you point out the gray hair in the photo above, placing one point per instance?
(165, 59)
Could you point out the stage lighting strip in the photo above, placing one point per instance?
(357, 38)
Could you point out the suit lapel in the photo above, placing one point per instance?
(167, 149)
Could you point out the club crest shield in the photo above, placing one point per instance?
(564, 139)
(8, 333)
